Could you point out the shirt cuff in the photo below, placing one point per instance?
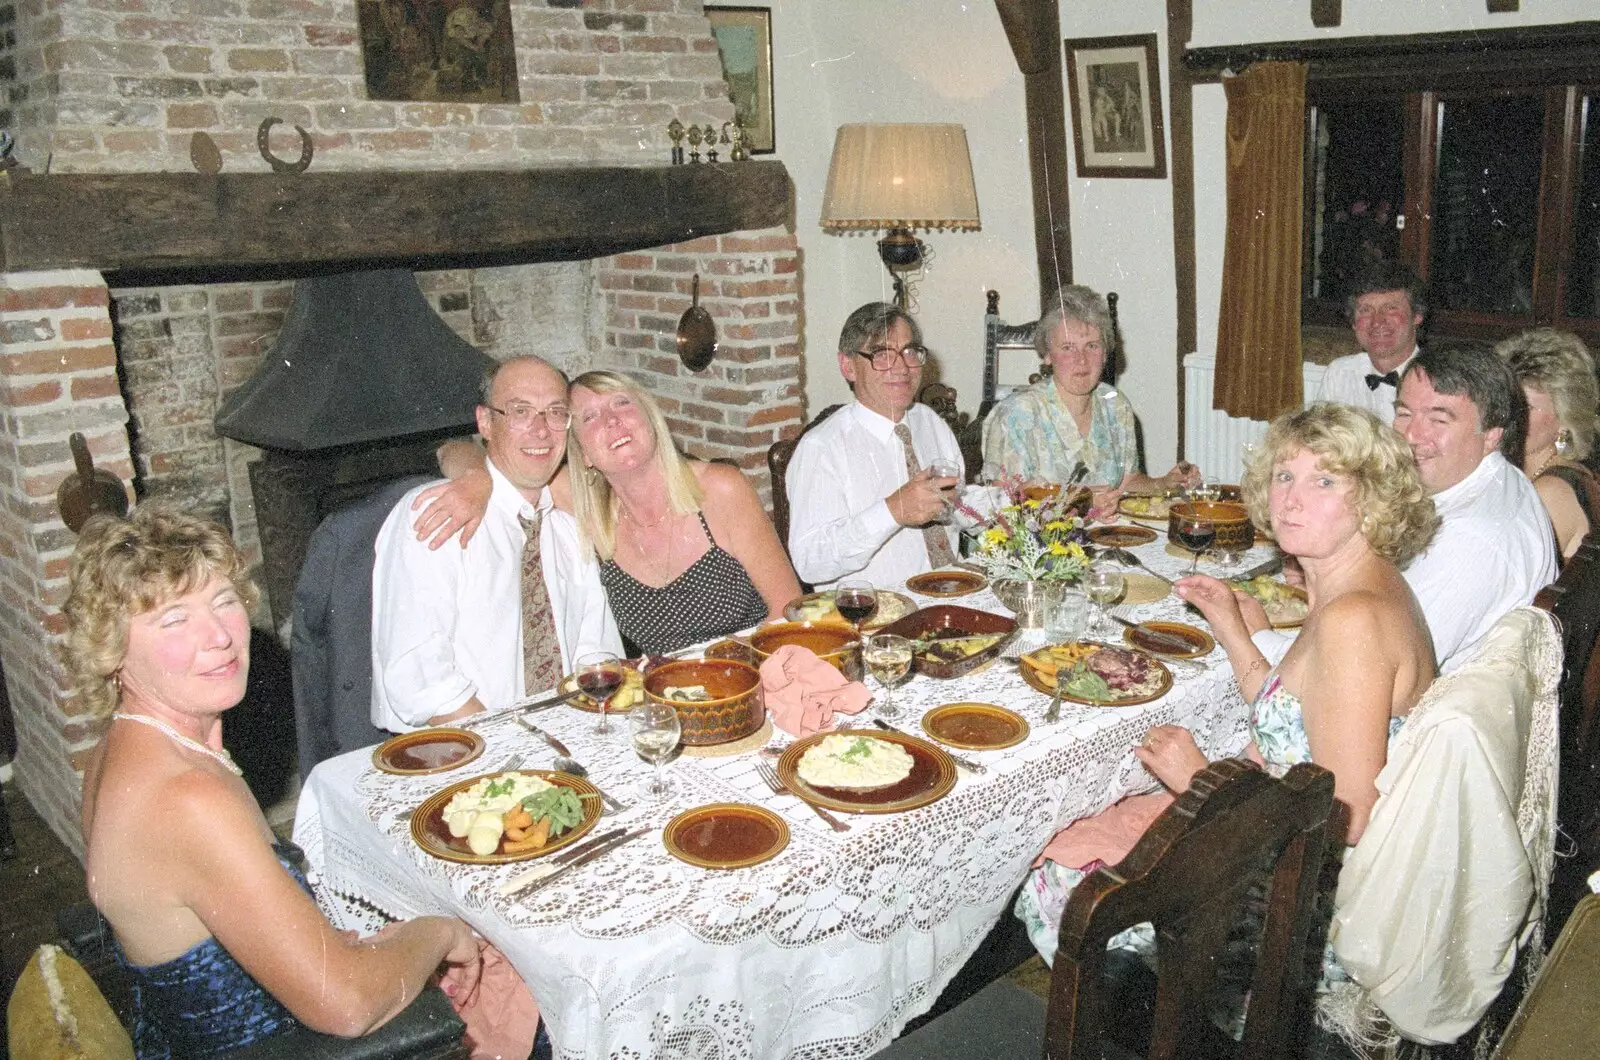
(878, 523)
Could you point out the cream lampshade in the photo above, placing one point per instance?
(900, 177)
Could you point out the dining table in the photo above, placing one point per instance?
(827, 949)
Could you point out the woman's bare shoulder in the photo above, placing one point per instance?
(720, 481)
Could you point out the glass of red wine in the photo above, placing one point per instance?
(856, 600)
(1194, 534)
(600, 675)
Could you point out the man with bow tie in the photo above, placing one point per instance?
(1385, 309)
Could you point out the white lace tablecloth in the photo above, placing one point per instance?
(825, 951)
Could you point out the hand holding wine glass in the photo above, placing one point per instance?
(656, 729)
(888, 658)
(856, 601)
(600, 675)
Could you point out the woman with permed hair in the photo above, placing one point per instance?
(1341, 493)
(210, 912)
(1557, 377)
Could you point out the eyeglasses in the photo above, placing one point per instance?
(883, 358)
(521, 415)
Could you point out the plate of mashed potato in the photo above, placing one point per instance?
(505, 817)
(862, 772)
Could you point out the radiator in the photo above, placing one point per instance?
(1214, 440)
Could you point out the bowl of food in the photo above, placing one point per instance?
(718, 700)
(832, 642)
(1234, 532)
(948, 641)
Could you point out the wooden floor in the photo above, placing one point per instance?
(43, 877)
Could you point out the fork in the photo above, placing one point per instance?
(770, 776)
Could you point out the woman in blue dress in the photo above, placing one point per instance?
(210, 913)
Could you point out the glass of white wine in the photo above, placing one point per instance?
(656, 730)
(888, 659)
(1104, 584)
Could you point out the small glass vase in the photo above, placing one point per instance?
(1032, 601)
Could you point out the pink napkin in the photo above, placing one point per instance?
(803, 693)
(1107, 836)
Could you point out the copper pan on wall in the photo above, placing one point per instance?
(89, 490)
(697, 334)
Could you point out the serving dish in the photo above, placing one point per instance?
(933, 774)
(943, 621)
(429, 831)
(1200, 642)
(833, 642)
(416, 754)
(725, 835)
(734, 711)
(946, 583)
(1232, 522)
(975, 726)
(892, 607)
(1158, 685)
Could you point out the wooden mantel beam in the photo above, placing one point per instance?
(141, 227)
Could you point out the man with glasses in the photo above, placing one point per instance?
(459, 630)
(870, 487)
(1386, 308)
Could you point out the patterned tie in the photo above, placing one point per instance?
(541, 652)
(933, 535)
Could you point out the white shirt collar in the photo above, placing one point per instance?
(507, 498)
(1465, 491)
(878, 425)
(1399, 369)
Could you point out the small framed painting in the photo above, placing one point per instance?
(744, 40)
(1115, 84)
(449, 51)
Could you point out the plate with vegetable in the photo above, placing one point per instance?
(948, 640)
(819, 607)
(1097, 674)
(623, 699)
(504, 817)
(1286, 605)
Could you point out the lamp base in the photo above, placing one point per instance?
(901, 253)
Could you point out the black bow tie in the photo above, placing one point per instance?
(1392, 378)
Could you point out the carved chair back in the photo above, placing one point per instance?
(778, 457)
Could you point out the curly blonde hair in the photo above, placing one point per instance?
(126, 566)
(1558, 363)
(1397, 515)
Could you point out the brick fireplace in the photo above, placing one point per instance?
(133, 328)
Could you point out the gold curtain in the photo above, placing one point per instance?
(1258, 332)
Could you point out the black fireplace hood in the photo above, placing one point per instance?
(362, 357)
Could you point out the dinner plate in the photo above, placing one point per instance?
(1121, 536)
(975, 726)
(416, 754)
(1281, 621)
(1145, 508)
(945, 583)
(933, 774)
(429, 831)
(725, 835)
(583, 701)
(1200, 642)
(1043, 684)
(892, 607)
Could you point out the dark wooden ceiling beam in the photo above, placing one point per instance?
(1572, 44)
(141, 226)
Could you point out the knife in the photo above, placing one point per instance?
(559, 747)
(537, 878)
(1165, 640)
(526, 707)
(961, 760)
(1271, 566)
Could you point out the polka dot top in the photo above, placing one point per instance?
(712, 598)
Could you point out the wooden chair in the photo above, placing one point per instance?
(1189, 875)
(1574, 599)
(1000, 337)
(778, 457)
(1558, 1019)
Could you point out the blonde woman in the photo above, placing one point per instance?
(209, 910)
(686, 550)
(1557, 377)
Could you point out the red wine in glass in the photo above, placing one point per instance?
(1195, 535)
(599, 676)
(856, 601)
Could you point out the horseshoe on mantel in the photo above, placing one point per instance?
(279, 165)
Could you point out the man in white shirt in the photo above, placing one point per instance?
(1495, 548)
(448, 629)
(1385, 311)
(858, 511)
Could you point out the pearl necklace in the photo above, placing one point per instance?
(194, 745)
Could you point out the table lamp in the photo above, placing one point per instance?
(900, 177)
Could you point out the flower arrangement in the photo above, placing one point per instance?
(1038, 539)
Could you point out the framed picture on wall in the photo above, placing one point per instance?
(438, 52)
(1115, 84)
(744, 40)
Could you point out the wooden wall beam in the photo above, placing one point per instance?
(1180, 111)
(135, 226)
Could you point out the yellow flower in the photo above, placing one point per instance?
(1058, 549)
(995, 536)
(1058, 525)
(1031, 505)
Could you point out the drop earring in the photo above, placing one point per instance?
(1563, 441)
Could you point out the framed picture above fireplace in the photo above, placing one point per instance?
(1115, 84)
(438, 52)
(744, 40)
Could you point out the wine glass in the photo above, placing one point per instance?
(1195, 534)
(888, 657)
(600, 675)
(656, 730)
(947, 469)
(1103, 583)
(856, 600)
